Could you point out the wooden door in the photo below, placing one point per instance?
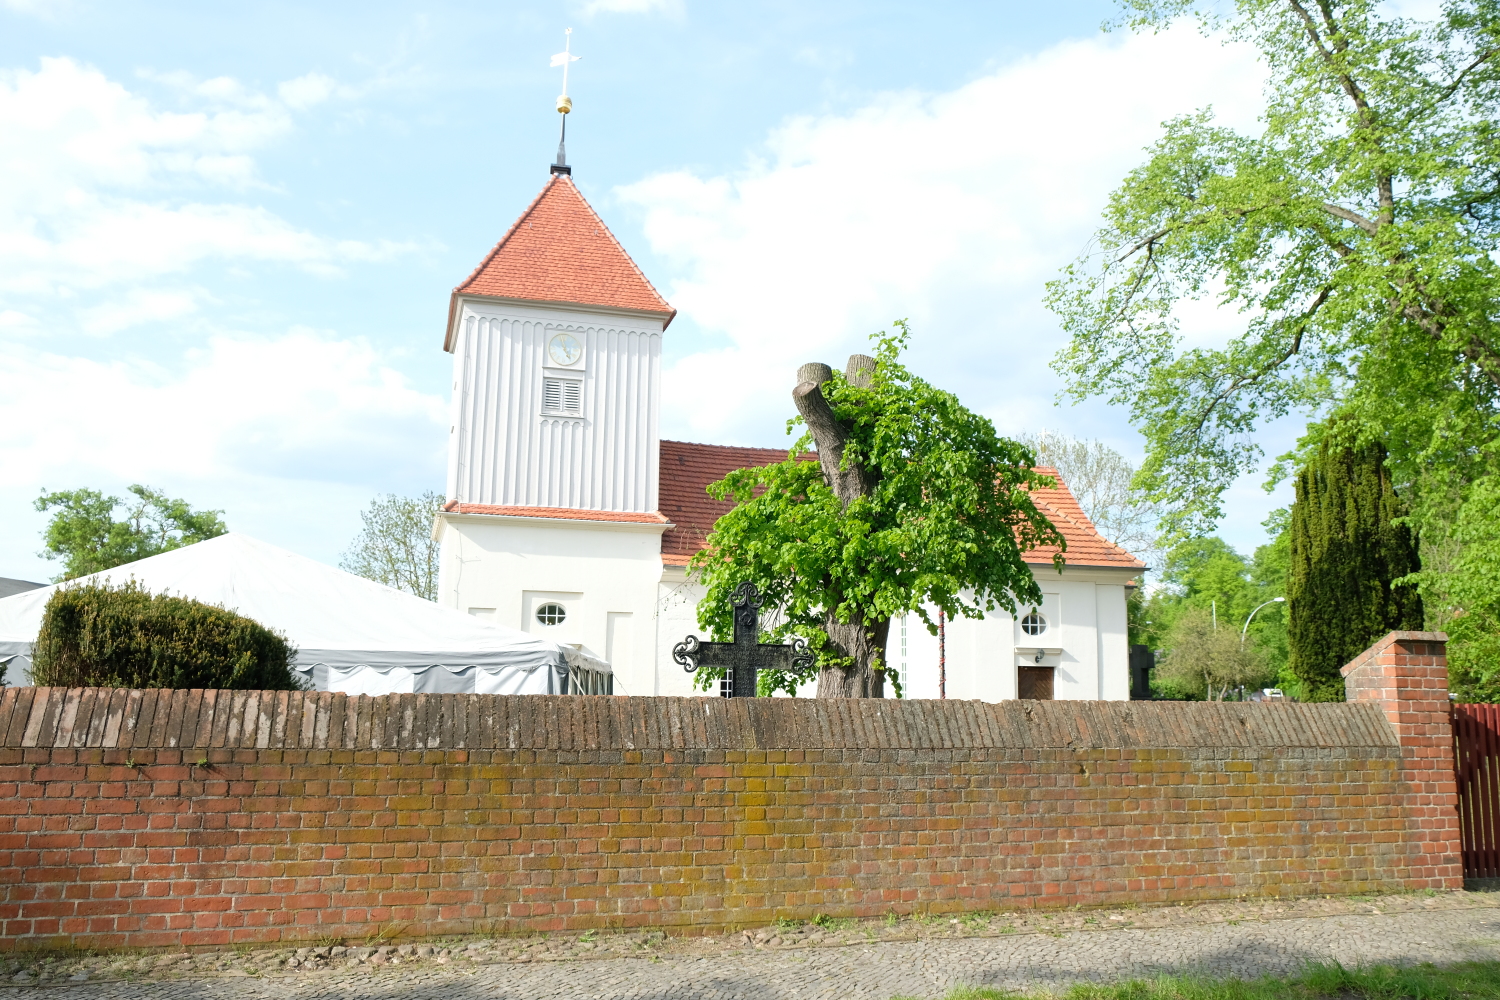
(1034, 683)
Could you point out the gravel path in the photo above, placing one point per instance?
(1247, 943)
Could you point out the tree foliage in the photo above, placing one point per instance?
(396, 547)
(1207, 576)
(1355, 234)
(1349, 549)
(944, 523)
(1207, 658)
(87, 536)
(103, 636)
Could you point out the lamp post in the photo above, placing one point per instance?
(1246, 630)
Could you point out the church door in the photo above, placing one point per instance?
(1034, 683)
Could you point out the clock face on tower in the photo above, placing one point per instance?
(564, 350)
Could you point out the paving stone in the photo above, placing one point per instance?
(1248, 941)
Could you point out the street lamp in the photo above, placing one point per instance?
(1245, 631)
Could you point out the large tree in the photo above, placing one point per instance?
(913, 501)
(90, 532)
(1350, 549)
(1354, 233)
(396, 546)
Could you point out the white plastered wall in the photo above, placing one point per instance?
(1086, 643)
(604, 573)
(676, 619)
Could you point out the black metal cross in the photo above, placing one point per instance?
(746, 656)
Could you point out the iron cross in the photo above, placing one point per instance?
(746, 656)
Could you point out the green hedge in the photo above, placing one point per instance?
(103, 636)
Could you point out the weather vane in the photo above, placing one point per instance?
(564, 102)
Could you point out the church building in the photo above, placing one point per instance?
(568, 516)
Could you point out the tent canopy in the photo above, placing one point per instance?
(349, 631)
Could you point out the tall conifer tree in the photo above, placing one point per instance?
(1345, 552)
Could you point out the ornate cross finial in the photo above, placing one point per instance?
(564, 102)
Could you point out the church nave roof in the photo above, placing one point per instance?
(687, 470)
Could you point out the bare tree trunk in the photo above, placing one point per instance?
(865, 643)
(862, 642)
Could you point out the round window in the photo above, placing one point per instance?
(1033, 624)
(551, 613)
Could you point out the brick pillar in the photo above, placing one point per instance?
(1406, 673)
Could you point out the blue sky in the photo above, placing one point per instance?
(228, 232)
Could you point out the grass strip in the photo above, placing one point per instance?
(1317, 982)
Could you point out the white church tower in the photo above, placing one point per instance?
(552, 522)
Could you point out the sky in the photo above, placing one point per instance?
(228, 233)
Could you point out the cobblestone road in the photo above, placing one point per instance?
(879, 971)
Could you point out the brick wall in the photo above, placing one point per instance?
(205, 817)
(1406, 675)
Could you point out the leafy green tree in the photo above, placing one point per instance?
(1355, 232)
(1207, 576)
(1348, 549)
(1268, 569)
(1206, 659)
(1473, 621)
(85, 533)
(396, 547)
(913, 500)
(1474, 655)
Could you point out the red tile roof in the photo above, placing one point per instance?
(556, 512)
(686, 469)
(559, 250)
(1086, 547)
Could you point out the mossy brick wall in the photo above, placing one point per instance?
(156, 818)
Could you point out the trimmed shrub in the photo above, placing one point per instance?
(103, 636)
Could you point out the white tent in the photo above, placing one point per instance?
(352, 634)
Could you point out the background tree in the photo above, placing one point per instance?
(1207, 576)
(396, 547)
(1207, 660)
(914, 500)
(1473, 622)
(1347, 552)
(1355, 233)
(85, 533)
(1101, 480)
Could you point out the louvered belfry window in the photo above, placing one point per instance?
(560, 395)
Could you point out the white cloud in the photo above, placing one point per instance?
(290, 434)
(99, 188)
(673, 8)
(137, 306)
(116, 214)
(38, 8)
(310, 89)
(302, 406)
(953, 209)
